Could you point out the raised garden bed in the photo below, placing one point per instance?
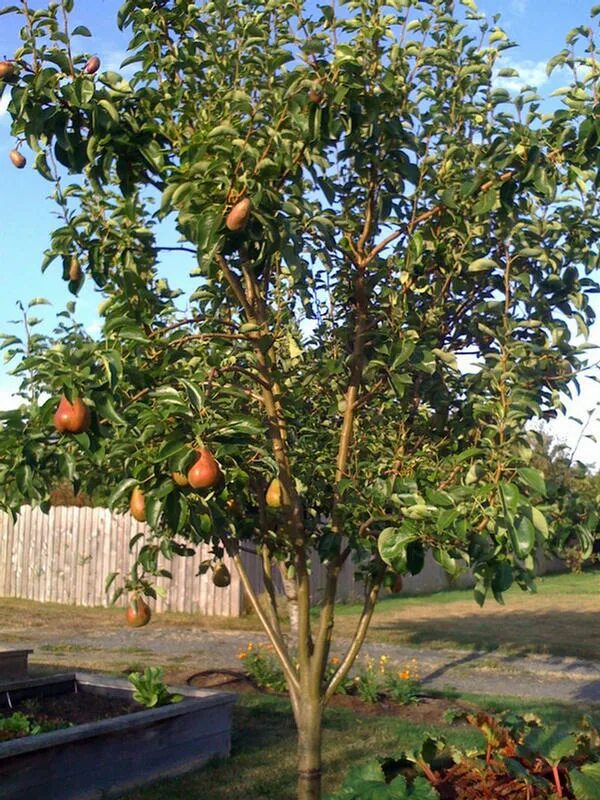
(106, 758)
(13, 664)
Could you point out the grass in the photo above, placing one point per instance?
(561, 618)
(262, 764)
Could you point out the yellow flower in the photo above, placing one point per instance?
(404, 675)
(250, 646)
(242, 655)
(334, 661)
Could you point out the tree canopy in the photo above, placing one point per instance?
(390, 257)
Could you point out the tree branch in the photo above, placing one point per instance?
(371, 593)
(276, 640)
(235, 285)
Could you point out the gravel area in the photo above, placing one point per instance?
(184, 650)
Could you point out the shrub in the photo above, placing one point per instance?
(522, 759)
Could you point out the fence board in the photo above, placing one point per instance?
(65, 557)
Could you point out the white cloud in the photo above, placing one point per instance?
(8, 400)
(94, 327)
(518, 7)
(531, 73)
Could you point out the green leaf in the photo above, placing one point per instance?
(124, 488)
(106, 408)
(503, 578)
(194, 395)
(171, 449)
(534, 479)
(551, 743)
(81, 30)
(585, 782)
(110, 109)
(392, 544)
(482, 265)
(539, 521)
(523, 534)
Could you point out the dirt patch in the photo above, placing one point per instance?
(429, 711)
(65, 710)
(228, 680)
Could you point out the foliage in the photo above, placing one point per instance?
(370, 783)
(264, 670)
(406, 214)
(371, 683)
(573, 497)
(376, 680)
(19, 724)
(150, 689)
(523, 758)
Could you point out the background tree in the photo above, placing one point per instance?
(362, 206)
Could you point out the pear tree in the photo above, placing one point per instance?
(335, 255)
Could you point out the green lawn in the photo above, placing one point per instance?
(560, 618)
(262, 764)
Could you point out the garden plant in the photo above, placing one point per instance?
(341, 267)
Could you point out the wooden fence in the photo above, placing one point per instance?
(66, 555)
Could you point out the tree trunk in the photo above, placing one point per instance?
(290, 589)
(308, 723)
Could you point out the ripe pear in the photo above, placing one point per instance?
(138, 612)
(7, 70)
(92, 66)
(315, 96)
(180, 478)
(221, 576)
(205, 473)
(238, 217)
(75, 272)
(274, 496)
(137, 505)
(17, 159)
(72, 417)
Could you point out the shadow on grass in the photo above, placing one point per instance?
(555, 632)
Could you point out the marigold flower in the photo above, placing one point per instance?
(404, 675)
(334, 661)
(242, 656)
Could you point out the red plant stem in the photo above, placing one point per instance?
(557, 783)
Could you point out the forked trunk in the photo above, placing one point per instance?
(290, 589)
(309, 750)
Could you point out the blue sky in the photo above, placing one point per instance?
(26, 218)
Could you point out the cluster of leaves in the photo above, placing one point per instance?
(150, 689)
(262, 668)
(481, 261)
(18, 724)
(523, 760)
(572, 499)
(371, 683)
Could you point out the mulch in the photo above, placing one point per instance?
(428, 711)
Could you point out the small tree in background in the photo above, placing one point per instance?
(366, 211)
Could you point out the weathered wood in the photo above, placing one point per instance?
(13, 664)
(107, 758)
(66, 556)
